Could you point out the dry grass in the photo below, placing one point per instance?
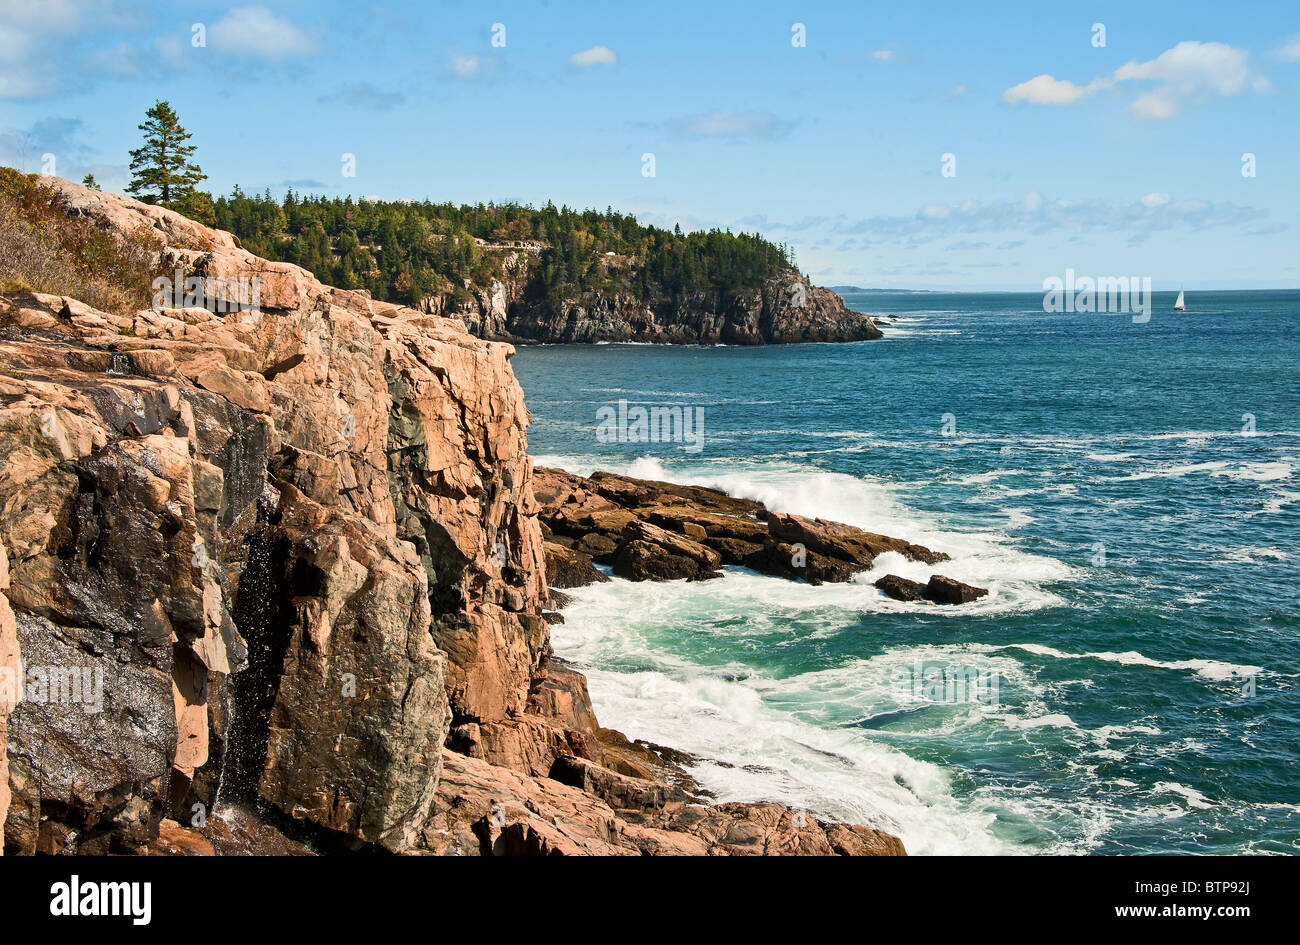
(42, 250)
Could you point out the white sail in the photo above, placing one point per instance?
(1180, 305)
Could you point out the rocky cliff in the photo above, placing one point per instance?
(273, 579)
(785, 310)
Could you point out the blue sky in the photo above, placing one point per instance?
(1122, 159)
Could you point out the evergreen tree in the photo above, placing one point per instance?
(161, 171)
(407, 252)
(89, 181)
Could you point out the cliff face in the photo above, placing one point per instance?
(287, 562)
(782, 312)
(346, 478)
(786, 310)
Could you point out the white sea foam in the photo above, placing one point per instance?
(824, 740)
(985, 477)
(1209, 669)
(1276, 503)
(1172, 471)
(1259, 472)
(985, 559)
(1193, 797)
(800, 739)
(1253, 555)
(753, 740)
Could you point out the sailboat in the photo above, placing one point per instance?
(1180, 304)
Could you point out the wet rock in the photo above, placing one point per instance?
(660, 531)
(844, 542)
(235, 831)
(900, 588)
(360, 710)
(568, 568)
(938, 590)
(945, 590)
(651, 553)
(175, 840)
(106, 702)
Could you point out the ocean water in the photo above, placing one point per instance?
(1130, 493)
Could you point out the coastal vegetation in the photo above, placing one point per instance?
(397, 250)
(405, 251)
(162, 168)
(42, 249)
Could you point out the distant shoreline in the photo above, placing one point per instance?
(859, 290)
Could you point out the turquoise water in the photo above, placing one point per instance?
(1141, 642)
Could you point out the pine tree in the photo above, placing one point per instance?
(161, 171)
(89, 181)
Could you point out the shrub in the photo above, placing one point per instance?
(44, 250)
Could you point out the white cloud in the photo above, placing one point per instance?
(885, 55)
(256, 31)
(1190, 71)
(1155, 106)
(1290, 50)
(1032, 215)
(466, 67)
(1193, 67)
(1048, 90)
(59, 16)
(471, 67)
(1193, 71)
(595, 56)
(60, 136)
(27, 29)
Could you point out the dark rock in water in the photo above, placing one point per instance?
(656, 554)
(568, 568)
(939, 590)
(660, 531)
(797, 563)
(643, 561)
(552, 617)
(598, 546)
(844, 541)
(945, 590)
(900, 588)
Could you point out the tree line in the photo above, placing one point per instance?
(405, 251)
